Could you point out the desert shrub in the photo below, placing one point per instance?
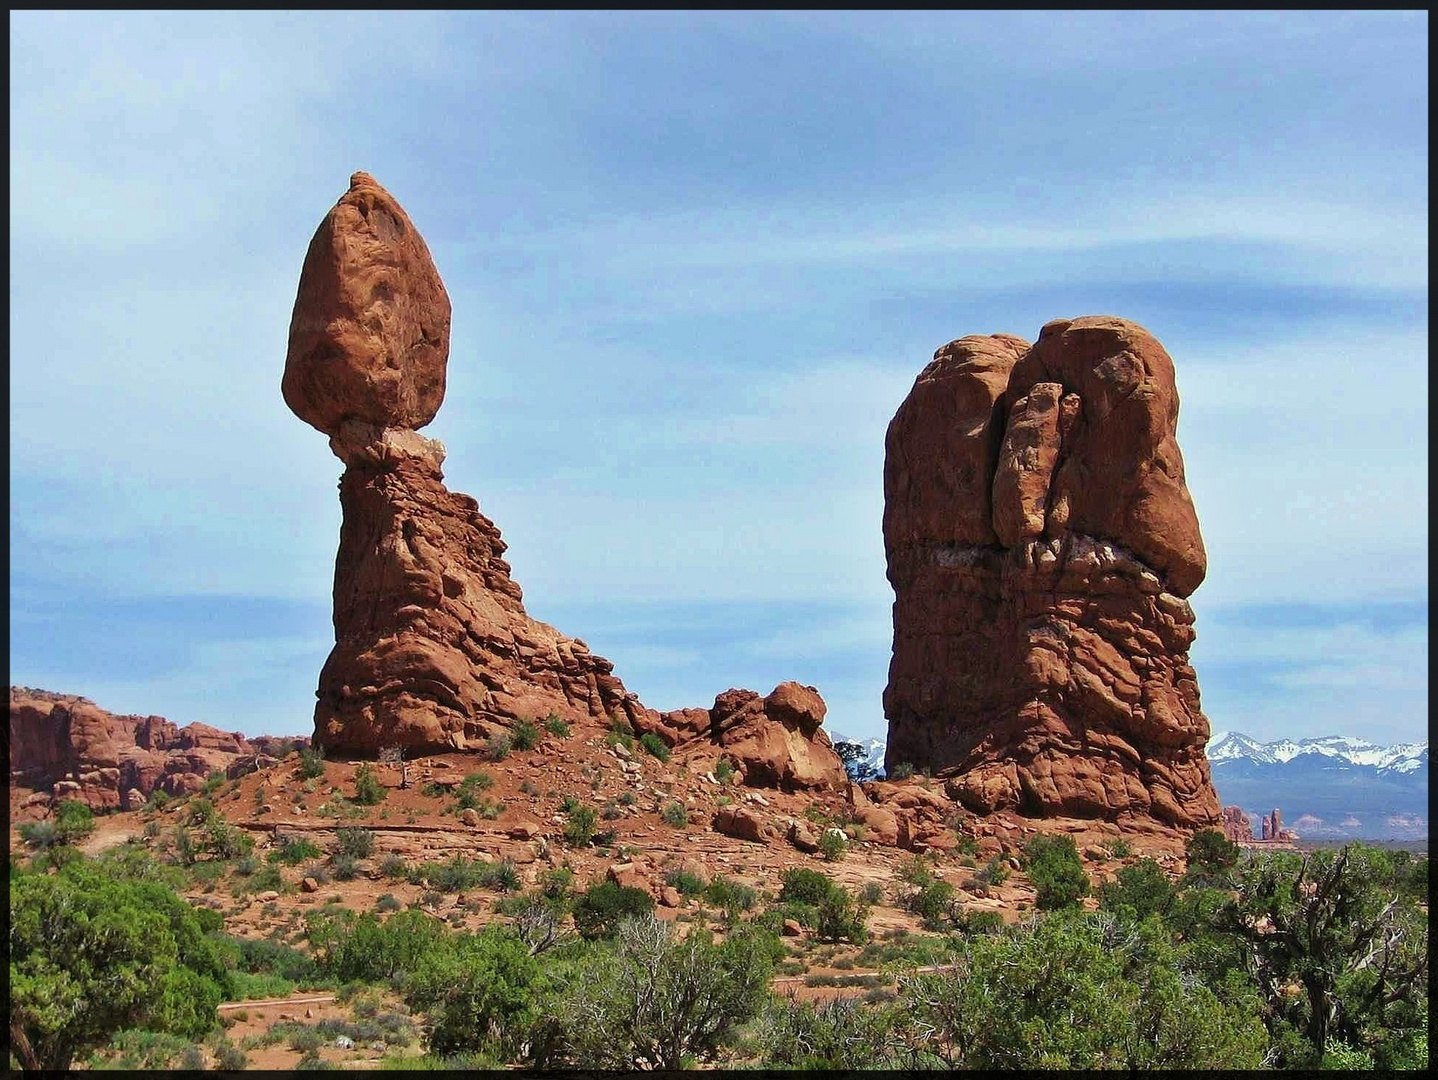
(393, 867)
(1056, 871)
(368, 790)
(1211, 856)
(1124, 996)
(1138, 891)
(477, 991)
(224, 841)
(529, 787)
(503, 876)
(842, 918)
(343, 867)
(627, 798)
(432, 790)
(92, 954)
(832, 844)
(319, 872)
(312, 763)
(804, 886)
(837, 1034)
(454, 874)
(293, 850)
(524, 735)
(361, 948)
(902, 770)
(356, 843)
(994, 872)
(387, 903)
(40, 834)
(579, 829)
(1119, 848)
(246, 865)
(655, 1002)
(230, 1057)
(556, 725)
(674, 814)
(497, 747)
(611, 811)
(724, 770)
(598, 910)
(978, 922)
(685, 882)
(872, 893)
(655, 746)
(724, 892)
(932, 901)
(199, 811)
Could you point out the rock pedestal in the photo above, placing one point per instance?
(433, 648)
(1041, 543)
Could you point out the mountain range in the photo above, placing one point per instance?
(1331, 788)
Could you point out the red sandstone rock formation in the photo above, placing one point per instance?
(433, 647)
(77, 750)
(1236, 826)
(1041, 543)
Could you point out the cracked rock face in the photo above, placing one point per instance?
(433, 648)
(1041, 543)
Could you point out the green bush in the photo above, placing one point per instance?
(724, 770)
(902, 770)
(1138, 891)
(685, 882)
(599, 909)
(387, 903)
(674, 814)
(312, 763)
(349, 947)
(368, 790)
(579, 829)
(832, 844)
(842, 918)
(343, 867)
(1211, 856)
(74, 821)
(224, 841)
(356, 843)
(91, 954)
(800, 885)
(932, 902)
(502, 876)
(841, 1034)
(1119, 848)
(995, 872)
(393, 867)
(41, 835)
(478, 991)
(294, 850)
(556, 725)
(524, 735)
(659, 1003)
(1055, 871)
(724, 892)
(1077, 991)
(497, 747)
(654, 745)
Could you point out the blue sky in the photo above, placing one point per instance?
(696, 261)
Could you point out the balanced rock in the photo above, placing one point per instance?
(1041, 543)
(433, 648)
(369, 338)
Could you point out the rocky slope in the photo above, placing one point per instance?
(64, 746)
(1041, 543)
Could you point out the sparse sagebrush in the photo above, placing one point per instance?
(556, 725)
(356, 843)
(674, 814)
(524, 735)
(655, 746)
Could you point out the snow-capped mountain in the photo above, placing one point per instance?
(1228, 746)
(1332, 787)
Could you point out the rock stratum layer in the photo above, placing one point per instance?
(1042, 544)
(69, 746)
(433, 648)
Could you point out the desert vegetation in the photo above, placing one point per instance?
(1277, 960)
